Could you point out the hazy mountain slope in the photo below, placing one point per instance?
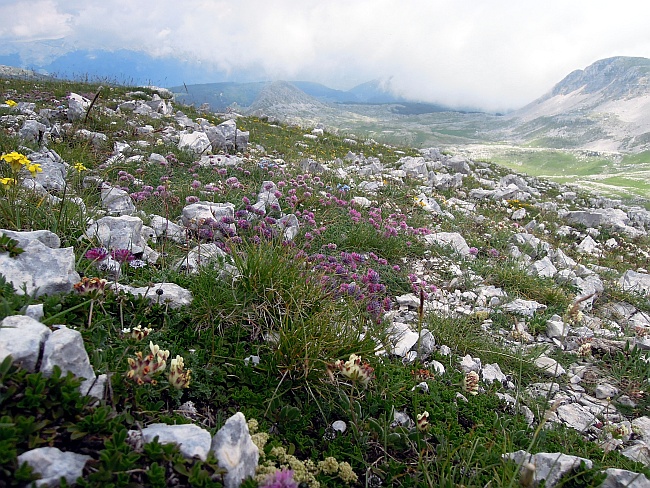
(283, 100)
(604, 107)
(219, 95)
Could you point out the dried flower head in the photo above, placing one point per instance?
(470, 383)
(422, 421)
(143, 368)
(584, 350)
(423, 374)
(90, 286)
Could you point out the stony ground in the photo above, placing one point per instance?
(383, 316)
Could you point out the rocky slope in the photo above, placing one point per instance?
(605, 107)
(544, 231)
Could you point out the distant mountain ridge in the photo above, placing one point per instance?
(605, 107)
(221, 95)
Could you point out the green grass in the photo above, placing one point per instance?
(300, 306)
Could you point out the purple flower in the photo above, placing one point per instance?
(371, 276)
(493, 253)
(96, 254)
(122, 255)
(473, 251)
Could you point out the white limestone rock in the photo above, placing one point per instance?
(192, 440)
(549, 366)
(52, 464)
(116, 201)
(95, 138)
(492, 372)
(468, 363)
(549, 466)
(519, 214)
(409, 300)
(123, 232)
(77, 107)
(642, 425)
(588, 246)
(361, 202)
(639, 452)
(165, 228)
(40, 269)
(402, 338)
(451, 239)
(604, 391)
(544, 268)
(621, 478)
(289, 226)
(65, 348)
(196, 142)
(635, 282)
(195, 215)
(204, 255)
(575, 416)
(22, 337)
(556, 328)
(526, 308)
(235, 451)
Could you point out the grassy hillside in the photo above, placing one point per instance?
(303, 307)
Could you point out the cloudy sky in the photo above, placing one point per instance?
(494, 54)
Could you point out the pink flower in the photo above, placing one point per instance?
(122, 255)
(280, 479)
(96, 254)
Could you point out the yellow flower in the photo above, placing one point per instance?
(15, 160)
(8, 181)
(79, 167)
(11, 103)
(34, 168)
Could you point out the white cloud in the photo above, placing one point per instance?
(499, 54)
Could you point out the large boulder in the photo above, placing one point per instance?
(43, 268)
(226, 136)
(123, 232)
